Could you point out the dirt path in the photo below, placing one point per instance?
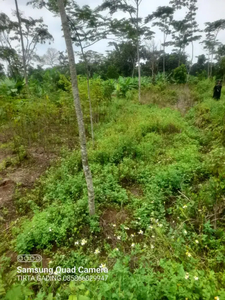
(184, 101)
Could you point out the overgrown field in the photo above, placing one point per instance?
(159, 177)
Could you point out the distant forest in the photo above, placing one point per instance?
(132, 38)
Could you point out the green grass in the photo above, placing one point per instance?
(163, 174)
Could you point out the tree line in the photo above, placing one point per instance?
(134, 50)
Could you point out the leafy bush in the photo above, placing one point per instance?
(53, 226)
(180, 74)
(8, 87)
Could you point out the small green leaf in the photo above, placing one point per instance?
(72, 297)
(81, 287)
(81, 297)
(50, 296)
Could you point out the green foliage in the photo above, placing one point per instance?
(8, 87)
(180, 74)
(53, 225)
(168, 283)
(159, 194)
(112, 72)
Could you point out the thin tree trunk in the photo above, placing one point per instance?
(153, 63)
(22, 44)
(133, 70)
(211, 65)
(79, 114)
(164, 56)
(138, 57)
(192, 56)
(179, 57)
(133, 66)
(208, 65)
(88, 88)
(90, 107)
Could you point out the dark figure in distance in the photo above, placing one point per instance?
(217, 90)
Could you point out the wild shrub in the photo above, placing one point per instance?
(108, 190)
(52, 226)
(171, 281)
(180, 74)
(8, 87)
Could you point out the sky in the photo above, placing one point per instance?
(208, 11)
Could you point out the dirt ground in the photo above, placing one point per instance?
(24, 175)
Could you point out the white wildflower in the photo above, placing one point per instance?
(116, 249)
(185, 206)
(83, 242)
(152, 246)
(153, 236)
(126, 228)
(140, 232)
(185, 231)
(50, 229)
(188, 254)
(132, 235)
(119, 238)
(76, 243)
(186, 276)
(97, 251)
(133, 244)
(160, 225)
(196, 241)
(114, 225)
(195, 278)
(102, 266)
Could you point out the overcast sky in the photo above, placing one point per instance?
(208, 11)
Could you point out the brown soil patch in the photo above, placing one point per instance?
(6, 190)
(25, 174)
(175, 96)
(184, 100)
(110, 217)
(132, 188)
(135, 190)
(113, 216)
(3, 156)
(110, 222)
